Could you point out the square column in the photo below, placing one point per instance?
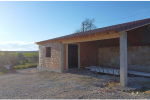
(123, 59)
(62, 58)
(66, 55)
(78, 55)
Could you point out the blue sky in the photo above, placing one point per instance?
(23, 23)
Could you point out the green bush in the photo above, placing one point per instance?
(1, 73)
(26, 65)
(3, 70)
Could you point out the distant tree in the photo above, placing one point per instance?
(8, 58)
(86, 25)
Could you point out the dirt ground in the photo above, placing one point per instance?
(75, 84)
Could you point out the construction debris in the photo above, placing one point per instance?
(114, 71)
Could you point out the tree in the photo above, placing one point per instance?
(86, 25)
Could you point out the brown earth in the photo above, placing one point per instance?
(75, 84)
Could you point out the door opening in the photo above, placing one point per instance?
(72, 56)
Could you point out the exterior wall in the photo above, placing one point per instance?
(108, 56)
(138, 57)
(53, 63)
(140, 36)
(89, 51)
(88, 54)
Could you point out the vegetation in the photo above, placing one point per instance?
(1, 73)
(26, 65)
(3, 70)
(86, 25)
(18, 59)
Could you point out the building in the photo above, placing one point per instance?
(125, 46)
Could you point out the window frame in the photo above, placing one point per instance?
(48, 52)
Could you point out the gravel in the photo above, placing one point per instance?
(75, 84)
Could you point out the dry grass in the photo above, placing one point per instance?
(1, 73)
(26, 65)
(148, 92)
(112, 84)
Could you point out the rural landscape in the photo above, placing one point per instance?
(13, 60)
(75, 50)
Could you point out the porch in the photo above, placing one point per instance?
(111, 50)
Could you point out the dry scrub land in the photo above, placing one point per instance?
(78, 84)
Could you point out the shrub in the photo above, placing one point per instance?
(1, 73)
(26, 65)
(3, 70)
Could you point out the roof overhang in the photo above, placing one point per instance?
(99, 34)
(84, 38)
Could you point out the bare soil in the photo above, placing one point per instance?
(74, 84)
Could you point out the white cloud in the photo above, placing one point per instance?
(15, 42)
(18, 46)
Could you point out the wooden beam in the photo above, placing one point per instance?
(92, 37)
(123, 59)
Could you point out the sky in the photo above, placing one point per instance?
(22, 23)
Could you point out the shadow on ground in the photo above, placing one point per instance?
(135, 83)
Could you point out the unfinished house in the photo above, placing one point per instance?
(124, 46)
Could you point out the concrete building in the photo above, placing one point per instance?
(124, 46)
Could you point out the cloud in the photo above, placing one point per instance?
(18, 46)
(15, 42)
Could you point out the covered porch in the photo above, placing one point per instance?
(109, 49)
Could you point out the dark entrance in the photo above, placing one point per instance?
(73, 56)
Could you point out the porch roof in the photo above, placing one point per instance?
(102, 33)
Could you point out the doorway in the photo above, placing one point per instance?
(72, 56)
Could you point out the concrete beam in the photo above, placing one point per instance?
(123, 59)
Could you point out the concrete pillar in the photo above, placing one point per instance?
(66, 56)
(39, 56)
(123, 59)
(40, 65)
(78, 55)
(62, 58)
